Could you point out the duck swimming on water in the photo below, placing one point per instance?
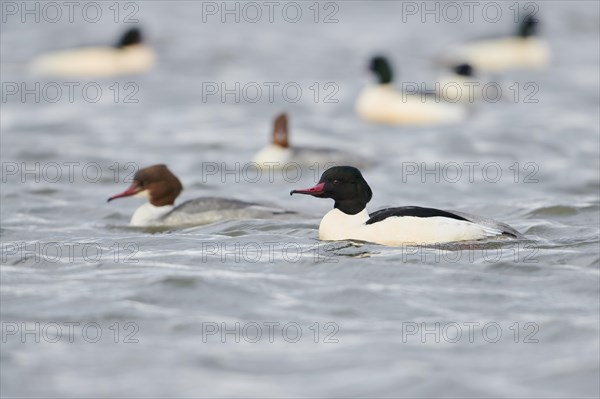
(524, 50)
(128, 56)
(382, 103)
(161, 187)
(280, 153)
(408, 225)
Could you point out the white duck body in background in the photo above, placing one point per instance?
(279, 153)
(382, 103)
(525, 50)
(459, 86)
(128, 56)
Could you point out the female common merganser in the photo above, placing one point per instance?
(162, 187)
(524, 50)
(128, 56)
(409, 225)
(459, 86)
(383, 104)
(279, 153)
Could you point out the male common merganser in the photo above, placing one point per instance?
(383, 104)
(128, 56)
(279, 153)
(524, 50)
(409, 225)
(460, 85)
(162, 187)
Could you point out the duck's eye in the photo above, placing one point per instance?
(335, 182)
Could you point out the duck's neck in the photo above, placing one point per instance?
(351, 207)
(148, 214)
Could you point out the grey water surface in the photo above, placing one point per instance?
(255, 308)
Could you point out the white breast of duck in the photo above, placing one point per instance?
(273, 156)
(382, 103)
(349, 220)
(129, 56)
(150, 215)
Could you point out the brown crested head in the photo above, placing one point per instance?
(162, 186)
(280, 131)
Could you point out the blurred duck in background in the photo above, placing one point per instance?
(161, 188)
(128, 56)
(382, 103)
(459, 85)
(279, 152)
(524, 50)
